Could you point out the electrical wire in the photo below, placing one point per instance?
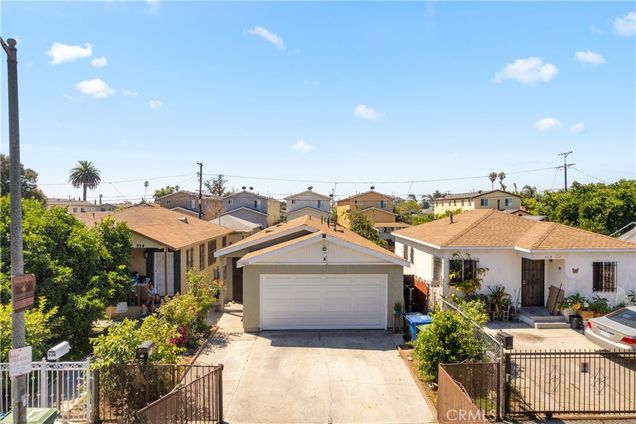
(591, 176)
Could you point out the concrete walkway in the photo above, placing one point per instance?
(312, 376)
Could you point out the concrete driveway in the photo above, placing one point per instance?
(313, 376)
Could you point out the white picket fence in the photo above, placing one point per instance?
(66, 386)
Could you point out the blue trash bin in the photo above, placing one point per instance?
(413, 320)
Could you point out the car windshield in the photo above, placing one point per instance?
(624, 316)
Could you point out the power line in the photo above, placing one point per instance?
(591, 176)
(121, 181)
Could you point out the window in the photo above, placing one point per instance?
(256, 203)
(382, 204)
(405, 251)
(168, 201)
(319, 204)
(470, 202)
(211, 250)
(437, 270)
(224, 241)
(462, 270)
(74, 209)
(462, 202)
(229, 201)
(189, 258)
(216, 274)
(508, 202)
(483, 202)
(604, 276)
(454, 202)
(412, 256)
(83, 210)
(202, 256)
(293, 202)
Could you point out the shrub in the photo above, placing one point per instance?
(449, 339)
(38, 325)
(474, 307)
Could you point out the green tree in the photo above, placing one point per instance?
(84, 175)
(601, 208)
(80, 270)
(362, 225)
(492, 177)
(529, 191)
(502, 176)
(28, 177)
(437, 194)
(160, 192)
(406, 210)
(448, 340)
(216, 186)
(39, 326)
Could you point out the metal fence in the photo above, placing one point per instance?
(121, 391)
(454, 402)
(66, 386)
(198, 400)
(571, 383)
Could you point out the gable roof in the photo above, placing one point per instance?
(188, 193)
(378, 209)
(235, 223)
(311, 193)
(327, 213)
(365, 193)
(246, 208)
(302, 226)
(162, 225)
(492, 228)
(473, 194)
(236, 193)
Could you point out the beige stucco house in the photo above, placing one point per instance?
(491, 199)
(307, 274)
(376, 206)
(79, 206)
(211, 206)
(308, 202)
(167, 243)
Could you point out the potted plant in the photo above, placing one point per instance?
(566, 307)
(600, 306)
(499, 300)
(397, 309)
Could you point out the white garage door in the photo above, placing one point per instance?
(309, 302)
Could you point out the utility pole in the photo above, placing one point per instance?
(200, 187)
(565, 167)
(18, 384)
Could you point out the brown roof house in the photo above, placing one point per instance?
(376, 206)
(169, 243)
(309, 274)
(523, 255)
(187, 202)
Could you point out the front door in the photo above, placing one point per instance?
(237, 281)
(532, 282)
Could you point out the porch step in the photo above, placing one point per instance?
(550, 325)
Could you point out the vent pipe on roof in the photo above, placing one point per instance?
(183, 219)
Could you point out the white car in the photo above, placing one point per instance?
(614, 331)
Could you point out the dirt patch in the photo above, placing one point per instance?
(428, 393)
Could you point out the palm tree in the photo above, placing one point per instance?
(492, 177)
(529, 191)
(501, 177)
(145, 188)
(84, 175)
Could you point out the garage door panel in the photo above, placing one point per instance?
(323, 302)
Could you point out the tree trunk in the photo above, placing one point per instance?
(84, 186)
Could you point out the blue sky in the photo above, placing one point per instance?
(369, 92)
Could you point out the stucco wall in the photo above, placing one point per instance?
(250, 215)
(314, 213)
(251, 285)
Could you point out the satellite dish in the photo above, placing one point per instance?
(243, 187)
(251, 188)
(372, 187)
(310, 188)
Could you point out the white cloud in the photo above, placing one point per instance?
(527, 71)
(579, 127)
(625, 26)
(301, 146)
(367, 113)
(129, 93)
(66, 53)
(590, 57)
(99, 62)
(155, 104)
(548, 124)
(95, 87)
(267, 35)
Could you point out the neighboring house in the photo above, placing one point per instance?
(308, 203)
(307, 274)
(165, 242)
(525, 256)
(524, 213)
(385, 230)
(376, 206)
(240, 226)
(80, 206)
(630, 235)
(491, 199)
(211, 206)
(252, 207)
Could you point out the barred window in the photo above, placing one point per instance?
(189, 258)
(462, 270)
(405, 251)
(211, 250)
(224, 241)
(604, 276)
